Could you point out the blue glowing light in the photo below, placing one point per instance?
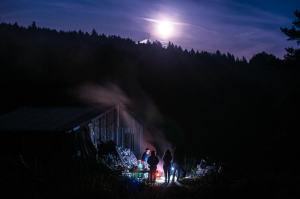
(76, 128)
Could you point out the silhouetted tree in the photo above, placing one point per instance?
(263, 59)
(94, 33)
(33, 26)
(293, 33)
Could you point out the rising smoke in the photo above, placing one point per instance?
(111, 94)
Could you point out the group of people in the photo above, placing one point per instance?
(170, 166)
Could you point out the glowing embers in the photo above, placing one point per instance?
(158, 174)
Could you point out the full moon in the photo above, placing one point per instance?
(165, 29)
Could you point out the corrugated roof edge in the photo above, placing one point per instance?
(35, 119)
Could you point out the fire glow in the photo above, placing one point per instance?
(158, 174)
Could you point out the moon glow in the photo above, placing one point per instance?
(165, 29)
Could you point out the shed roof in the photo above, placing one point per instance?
(47, 119)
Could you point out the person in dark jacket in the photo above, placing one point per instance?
(152, 161)
(176, 169)
(167, 165)
(145, 157)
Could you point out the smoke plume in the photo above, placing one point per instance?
(143, 107)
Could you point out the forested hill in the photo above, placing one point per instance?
(213, 100)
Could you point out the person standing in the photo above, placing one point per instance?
(145, 157)
(152, 161)
(167, 165)
(177, 170)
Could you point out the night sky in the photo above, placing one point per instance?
(241, 27)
